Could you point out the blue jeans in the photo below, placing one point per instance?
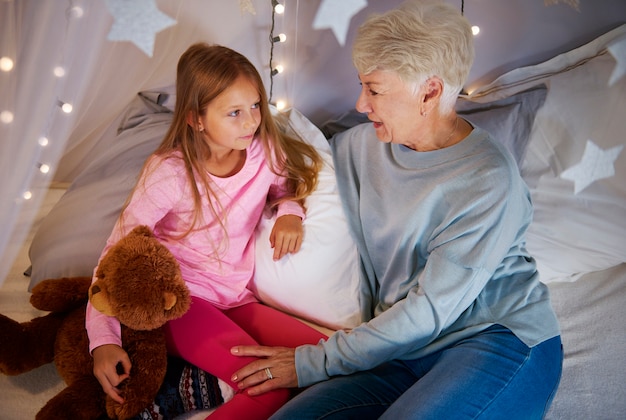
(491, 375)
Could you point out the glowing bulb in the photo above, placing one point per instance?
(280, 105)
(43, 168)
(6, 117)
(27, 195)
(6, 64)
(279, 68)
(76, 12)
(475, 30)
(59, 71)
(67, 108)
(280, 38)
(43, 141)
(279, 8)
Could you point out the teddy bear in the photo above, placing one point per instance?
(139, 282)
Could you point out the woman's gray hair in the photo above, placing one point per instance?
(419, 39)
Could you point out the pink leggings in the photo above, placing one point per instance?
(205, 335)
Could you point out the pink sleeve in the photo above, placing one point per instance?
(151, 200)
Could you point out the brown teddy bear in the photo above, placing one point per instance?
(139, 282)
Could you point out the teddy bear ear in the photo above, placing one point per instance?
(142, 230)
(170, 300)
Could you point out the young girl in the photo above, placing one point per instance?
(202, 192)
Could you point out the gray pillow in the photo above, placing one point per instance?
(509, 120)
(71, 237)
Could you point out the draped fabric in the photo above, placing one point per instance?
(58, 52)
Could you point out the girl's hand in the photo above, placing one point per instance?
(255, 378)
(286, 235)
(106, 360)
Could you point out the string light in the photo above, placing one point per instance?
(43, 168)
(59, 71)
(65, 107)
(475, 30)
(280, 105)
(6, 64)
(280, 38)
(277, 70)
(6, 117)
(277, 8)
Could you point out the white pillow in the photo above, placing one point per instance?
(574, 232)
(320, 283)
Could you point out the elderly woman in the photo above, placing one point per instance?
(461, 327)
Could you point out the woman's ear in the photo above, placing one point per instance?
(433, 89)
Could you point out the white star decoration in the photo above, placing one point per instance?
(595, 164)
(246, 6)
(137, 21)
(618, 49)
(336, 15)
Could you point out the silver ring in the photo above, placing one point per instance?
(268, 373)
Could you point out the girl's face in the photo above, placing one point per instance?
(232, 118)
(390, 105)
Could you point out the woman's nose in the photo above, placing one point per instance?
(362, 104)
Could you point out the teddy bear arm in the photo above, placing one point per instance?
(60, 295)
(28, 345)
(148, 354)
(83, 399)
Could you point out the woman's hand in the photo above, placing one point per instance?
(106, 359)
(276, 368)
(286, 235)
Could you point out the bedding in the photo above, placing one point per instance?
(70, 239)
(547, 113)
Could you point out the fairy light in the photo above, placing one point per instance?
(277, 8)
(59, 71)
(6, 117)
(27, 195)
(43, 168)
(43, 141)
(278, 69)
(6, 64)
(66, 107)
(475, 30)
(281, 105)
(280, 38)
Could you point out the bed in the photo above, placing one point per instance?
(564, 120)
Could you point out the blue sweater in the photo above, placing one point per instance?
(441, 236)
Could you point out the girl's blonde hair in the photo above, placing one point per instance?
(205, 71)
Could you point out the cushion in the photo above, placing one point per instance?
(509, 119)
(71, 237)
(580, 204)
(320, 283)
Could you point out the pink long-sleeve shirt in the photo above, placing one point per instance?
(163, 201)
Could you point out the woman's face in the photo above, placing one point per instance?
(391, 105)
(232, 118)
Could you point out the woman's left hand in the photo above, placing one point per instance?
(276, 368)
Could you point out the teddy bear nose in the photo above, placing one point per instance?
(95, 289)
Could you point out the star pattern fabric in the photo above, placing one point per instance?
(247, 6)
(595, 164)
(617, 49)
(137, 21)
(336, 15)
